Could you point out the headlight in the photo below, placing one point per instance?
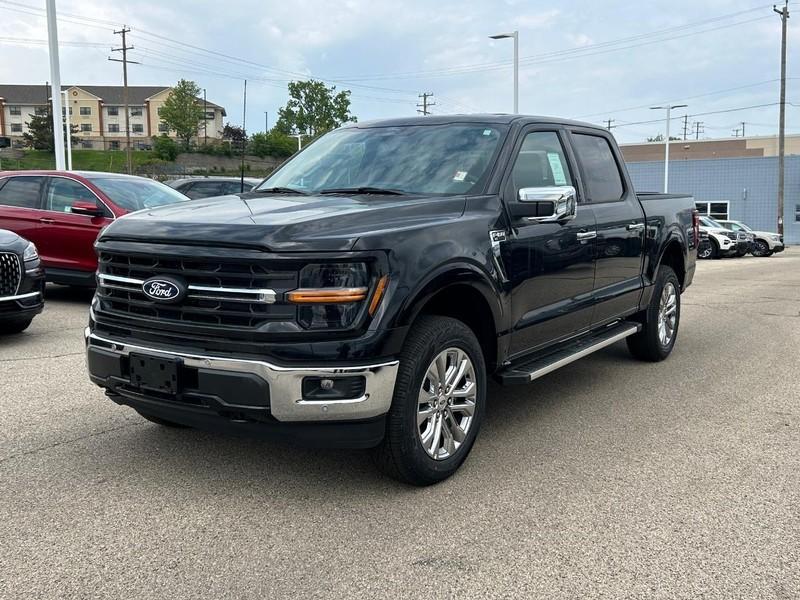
(30, 253)
(775, 238)
(331, 295)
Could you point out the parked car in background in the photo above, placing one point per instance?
(364, 293)
(206, 187)
(21, 282)
(741, 241)
(63, 211)
(764, 243)
(721, 241)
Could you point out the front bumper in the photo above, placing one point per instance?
(777, 247)
(237, 390)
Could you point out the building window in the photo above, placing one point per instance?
(16, 127)
(136, 111)
(87, 144)
(113, 111)
(209, 115)
(113, 145)
(158, 111)
(15, 111)
(715, 210)
(797, 213)
(86, 127)
(113, 128)
(86, 111)
(137, 128)
(64, 111)
(41, 111)
(163, 128)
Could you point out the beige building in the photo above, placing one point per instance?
(754, 146)
(98, 113)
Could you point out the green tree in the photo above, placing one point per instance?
(182, 112)
(313, 108)
(165, 148)
(40, 133)
(273, 143)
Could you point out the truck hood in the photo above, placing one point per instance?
(284, 222)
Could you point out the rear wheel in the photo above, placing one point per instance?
(761, 248)
(438, 403)
(15, 325)
(660, 320)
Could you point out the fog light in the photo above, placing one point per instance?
(334, 388)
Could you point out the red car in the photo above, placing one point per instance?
(63, 211)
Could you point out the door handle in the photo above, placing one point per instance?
(46, 221)
(586, 235)
(635, 226)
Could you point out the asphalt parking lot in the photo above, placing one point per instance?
(608, 478)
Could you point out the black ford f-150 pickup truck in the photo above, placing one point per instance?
(362, 294)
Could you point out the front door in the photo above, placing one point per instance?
(550, 265)
(68, 239)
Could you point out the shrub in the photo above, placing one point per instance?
(165, 148)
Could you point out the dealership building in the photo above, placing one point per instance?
(734, 178)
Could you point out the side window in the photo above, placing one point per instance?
(63, 193)
(22, 192)
(203, 189)
(234, 187)
(603, 181)
(540, 163)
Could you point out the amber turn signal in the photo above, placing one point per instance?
(327, 295)
(376, 297)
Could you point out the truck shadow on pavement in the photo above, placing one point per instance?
(525, 417)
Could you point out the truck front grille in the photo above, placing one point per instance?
(222, 293)
(10, 274)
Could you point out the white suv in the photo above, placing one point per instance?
(764, 242)
(721, 241)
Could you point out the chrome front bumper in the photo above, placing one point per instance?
(285, 383)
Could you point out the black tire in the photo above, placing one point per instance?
(162, 422)
(647, 345)
(761, 248)
(714, 250)
(401, 454)
(15, 325)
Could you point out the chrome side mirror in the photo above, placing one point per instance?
(554, 203)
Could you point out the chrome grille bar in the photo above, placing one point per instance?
(226, 294)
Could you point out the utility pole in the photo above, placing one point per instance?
(669, 108)
(244, 133)
(685, 126)
(55, 76)
(425, 103)
(266, 121)
(698, 129)
(736, 132)
(609, 125)
(784, 14)
(125, 62)
(742, 128)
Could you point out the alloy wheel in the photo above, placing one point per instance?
(446, 403)
(667, 314)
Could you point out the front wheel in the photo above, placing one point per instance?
(660, 320)
(438, 405)
(761, 248)
(708, 249)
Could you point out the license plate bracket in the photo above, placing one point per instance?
(155, 373)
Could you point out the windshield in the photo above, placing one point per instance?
(421, 159)
(736, 226)
(136, 194)
(709, 222)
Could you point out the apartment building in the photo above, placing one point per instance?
(99, 114)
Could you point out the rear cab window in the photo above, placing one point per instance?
(602, 179)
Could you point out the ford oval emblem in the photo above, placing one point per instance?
(164, 289)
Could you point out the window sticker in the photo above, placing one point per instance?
(487, 132)
(460, 176)
(557, 168)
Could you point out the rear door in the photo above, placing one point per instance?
(20, 206)
(550, 265)
(68, 239)
(620, 225)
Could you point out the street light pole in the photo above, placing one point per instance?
(299, 137)
(515, 36)
(68, 130)
(668, 108)
(55, 77)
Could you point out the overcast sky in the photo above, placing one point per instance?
(580, 59)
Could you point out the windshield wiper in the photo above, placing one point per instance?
(363, 190)
(280, 190)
